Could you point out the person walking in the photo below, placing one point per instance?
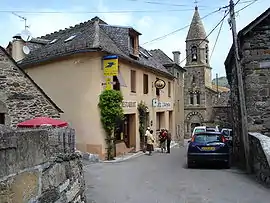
(150, 142)
(169, 139)
(147, 132)
(162, 140)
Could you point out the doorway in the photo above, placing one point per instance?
(170, 121)
(160, 120)
(193, 125)
(130, 130)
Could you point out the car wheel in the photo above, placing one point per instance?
(228, 164)
(190, 164)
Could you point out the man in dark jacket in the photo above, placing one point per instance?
(169, 139)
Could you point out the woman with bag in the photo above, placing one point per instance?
(150, 142)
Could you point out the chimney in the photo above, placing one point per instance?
(176, 57)
(17, 48)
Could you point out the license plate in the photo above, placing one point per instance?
(208, 148)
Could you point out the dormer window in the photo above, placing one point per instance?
(134, 42)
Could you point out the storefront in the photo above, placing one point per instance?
(125, 132)
(163, 114)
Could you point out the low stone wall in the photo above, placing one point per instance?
(41, 166)
(260, 157)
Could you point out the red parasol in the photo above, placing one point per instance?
(39, 121)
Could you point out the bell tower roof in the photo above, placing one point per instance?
(196, 30)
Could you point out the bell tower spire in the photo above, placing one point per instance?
(196, 42)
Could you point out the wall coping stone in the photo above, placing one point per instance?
(265, 143)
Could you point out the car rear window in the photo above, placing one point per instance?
(199, 130)
(207, 138)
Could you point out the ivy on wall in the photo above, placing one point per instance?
(111, 111)
(142, 109)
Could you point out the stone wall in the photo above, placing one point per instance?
(260, 157)
(40, 166)
(20, 97)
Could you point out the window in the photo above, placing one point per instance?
(132, 42)
(169, 89)
(206, 53)
(133, 81)
(2, 118)
(178, 78)
(191, 101)
(157, 90)
(178, 105)
(198, 98)
(145, 84)
(194, 54)
(70, 38)
(116, 83)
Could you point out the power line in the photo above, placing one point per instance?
(175, 31)
(85, 12)
(220, 28)
(252, 2)
(221, 21)
(162, 3)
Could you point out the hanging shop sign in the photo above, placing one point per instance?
(156, 103)
(160, 84)
(110, 65)
(129, 104)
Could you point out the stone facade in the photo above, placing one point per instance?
(254, 48)
(200, 94)
(260, 157)
(47, 172)
(20, 97)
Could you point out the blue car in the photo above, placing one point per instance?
(208, 147)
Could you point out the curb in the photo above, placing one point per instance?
(138, 154)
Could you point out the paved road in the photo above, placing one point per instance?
(164, 178)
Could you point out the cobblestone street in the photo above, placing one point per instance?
(164, 178)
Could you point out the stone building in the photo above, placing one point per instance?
(254, 51)
(200, 94)
(20, 97)
(69, 66)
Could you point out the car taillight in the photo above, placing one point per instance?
(223, 139)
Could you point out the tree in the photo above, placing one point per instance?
(142, 109)
(111, 111)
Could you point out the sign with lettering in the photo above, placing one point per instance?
(156, 103)
(160, 84)
(265, 64)
(129, 104)
(110, 65)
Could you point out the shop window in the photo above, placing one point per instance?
(2, 118)
(116, 83)
(133, 81)
(191, 99)
(145, 84)
(198, 98)
(169, 89)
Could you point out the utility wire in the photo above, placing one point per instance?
(220, 28)
(85, 12)
(175, 31)
(162, 3)
(221, 21)
(252, 2)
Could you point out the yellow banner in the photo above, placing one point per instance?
(108, 84)
(110, 67)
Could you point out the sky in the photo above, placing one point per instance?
(152, 18)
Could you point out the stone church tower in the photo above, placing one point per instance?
(199, 92)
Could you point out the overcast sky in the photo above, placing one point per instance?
(153, 18)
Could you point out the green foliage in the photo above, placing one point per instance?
(142, 109)
(111, 112)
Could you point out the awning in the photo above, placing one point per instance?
(42, 121)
